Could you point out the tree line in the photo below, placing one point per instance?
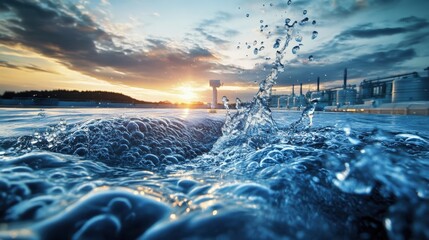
(73, 95)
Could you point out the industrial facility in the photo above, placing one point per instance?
(399, 94)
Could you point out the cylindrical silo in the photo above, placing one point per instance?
(411, 88)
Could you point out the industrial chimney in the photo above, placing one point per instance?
(318, 84)
(293, 89)
(214, 84)
(345, 79)
(300, 89)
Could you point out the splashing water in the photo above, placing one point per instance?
(256, 118)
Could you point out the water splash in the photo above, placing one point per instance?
(256, 118)
(306, 120)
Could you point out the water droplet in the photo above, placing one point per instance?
(314, 35)
(310, 58)
(255, 42)
(287, 20)
(262, 42)
(261, 48)
(238, 47)
(248, 46)
(277, 43)
(225, 101)
(247, 15)
(266, 26)
(298, 38)
(314, 22)
(289, 2)
(267, 58)
(271, 4)
(255, 51)
(304, 21)
(295, 49)
(261, 21)
(304, 12)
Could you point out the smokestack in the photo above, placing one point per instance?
(293, 89)
(300, 89)
(318, 84)
(345, 79)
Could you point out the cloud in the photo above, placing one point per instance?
(336, 8)
(210, 37)
(65, 33)
(31, 67)
(369, 31)
(213, 30)
(8, 65)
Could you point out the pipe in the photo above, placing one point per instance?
(345, 79)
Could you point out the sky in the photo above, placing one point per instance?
(168, 50)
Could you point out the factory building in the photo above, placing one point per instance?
(399, 94)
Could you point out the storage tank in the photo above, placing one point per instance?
(410, 88)
(282, 102)
(290, 102)
(346, 97)
(300, 101)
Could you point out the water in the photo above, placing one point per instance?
(161, 174)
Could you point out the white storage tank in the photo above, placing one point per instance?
(410, 88)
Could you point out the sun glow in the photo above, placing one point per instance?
(187, 94)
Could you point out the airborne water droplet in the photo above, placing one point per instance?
(295, 49)
(311, 58)
(261, 48)
(304, 12)
(255, 51)
(298, 38)
(247, 15)
(289, 2)
(314, 35)
(248, 46)
(261, 21)
(287, 20)
(314, 22)
(304, 21)
(255, 42)
(238, 47)
(277, 43)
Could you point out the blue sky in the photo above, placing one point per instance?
(168, 50)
